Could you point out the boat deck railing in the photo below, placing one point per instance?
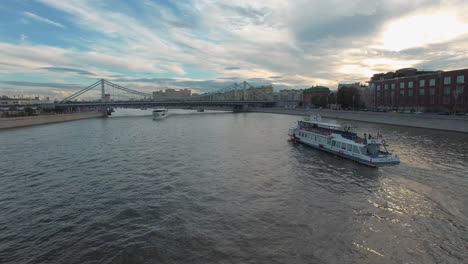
(316, 130)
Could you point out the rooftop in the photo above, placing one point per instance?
(317, 89)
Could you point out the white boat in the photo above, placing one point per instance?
(338, 139)
(159, 113)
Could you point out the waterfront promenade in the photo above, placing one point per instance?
(14, 122)
(426, 120)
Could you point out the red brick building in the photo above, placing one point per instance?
(409, 88)
(310, 95)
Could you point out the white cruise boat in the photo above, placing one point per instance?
(159, 113)
(339, 140)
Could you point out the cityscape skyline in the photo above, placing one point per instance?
(53, 48)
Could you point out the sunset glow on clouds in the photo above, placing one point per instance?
(207, 45)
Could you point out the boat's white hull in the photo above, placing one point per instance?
(322, 142)
(160, 115)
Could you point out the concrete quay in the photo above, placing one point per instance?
(426, 120)
(15, 122)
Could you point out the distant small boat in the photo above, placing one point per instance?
(159, 113)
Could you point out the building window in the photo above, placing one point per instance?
(446, 90)
(378, 87)
(432, 82)
(410, 84)
(393, 86)
(402, 92)
(432, 95)
(421, 91)
(459, 89)
(447, 80)
(446, 99)
(410, 92)
(386, 86)
(461, 79)
(422, 83)
(402, 85)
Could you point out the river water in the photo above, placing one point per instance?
(226, 188)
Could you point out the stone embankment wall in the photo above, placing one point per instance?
(44, 119)
(432, 121)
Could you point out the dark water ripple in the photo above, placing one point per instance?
(226, 188)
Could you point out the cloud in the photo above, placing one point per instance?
(230, 68)
(42, 19)
(44, 85)
(61, 69)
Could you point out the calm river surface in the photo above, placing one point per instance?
(226, 188)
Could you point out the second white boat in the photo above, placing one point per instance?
(160, 113)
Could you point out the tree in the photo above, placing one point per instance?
(348, 97)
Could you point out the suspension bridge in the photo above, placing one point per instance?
(238, 96)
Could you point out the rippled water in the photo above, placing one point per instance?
(225, 188)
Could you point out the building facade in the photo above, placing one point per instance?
(8, 101)
(310, 95)
(410, 89)
(289, 98)
(182, 92)
(171, 94)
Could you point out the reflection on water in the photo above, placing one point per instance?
(214, 188)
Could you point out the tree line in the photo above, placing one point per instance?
(346, 97)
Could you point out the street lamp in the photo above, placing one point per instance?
(354, 96)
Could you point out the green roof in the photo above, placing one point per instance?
(318, 89)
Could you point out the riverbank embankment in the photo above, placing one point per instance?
(15, 122)
(425, 120)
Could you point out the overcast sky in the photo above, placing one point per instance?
(54, 47)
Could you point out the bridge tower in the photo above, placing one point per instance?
(103, 92)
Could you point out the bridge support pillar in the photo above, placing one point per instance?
(240, 108)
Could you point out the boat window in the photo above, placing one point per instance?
(363, 150)
(350, 147)
(333, 143)
(343, 145)
(338, 144)
(355, 149)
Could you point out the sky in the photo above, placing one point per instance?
(56, 47)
